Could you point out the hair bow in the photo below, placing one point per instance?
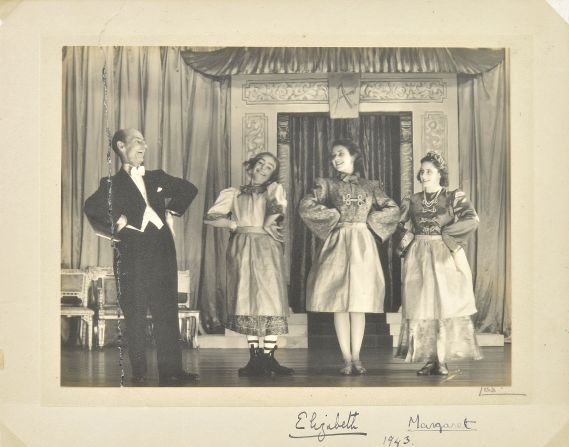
(349, 178)
(250, 189)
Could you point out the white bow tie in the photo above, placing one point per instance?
(137, 171)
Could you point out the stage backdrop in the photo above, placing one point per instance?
(483, 116)
(182, 115)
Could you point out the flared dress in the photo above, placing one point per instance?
(346, 275)
(437, 297)
(256, 301)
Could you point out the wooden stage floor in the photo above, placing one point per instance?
(313, 368)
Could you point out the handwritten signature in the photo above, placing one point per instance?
(497, 391)
(321, 426)
(416, 424)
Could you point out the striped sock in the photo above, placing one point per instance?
(270, 343)
(253, 341)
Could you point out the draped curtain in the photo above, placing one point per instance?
(266, 60)
(310, 139)
(183, 116)
(483, 143)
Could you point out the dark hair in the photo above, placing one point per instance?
(439, 162)
(250, 164)
(120, 135)
(354, 151)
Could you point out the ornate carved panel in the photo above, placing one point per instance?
(406, 155)
(283, 136)
(291, 92)
(426, 90)
(435, 132)
(316, 91)
(254, 134)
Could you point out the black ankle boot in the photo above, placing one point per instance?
(272, 366)
(256, 366)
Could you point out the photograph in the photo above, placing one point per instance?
(262, 224)
(285, 217)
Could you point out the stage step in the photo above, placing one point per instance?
(221, 341)
(296, 338)
(382, 332)
(394, 321)
(330, 341)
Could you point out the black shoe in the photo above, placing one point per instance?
(428, 369)
(273, 367)
(255, 366)
(138, 381)
(441, 369)
(180, 379)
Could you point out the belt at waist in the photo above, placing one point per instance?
(352, 225)
(249, 230)
(428, 236)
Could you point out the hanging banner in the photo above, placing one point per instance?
(344, 95)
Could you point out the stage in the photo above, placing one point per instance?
(313, 368)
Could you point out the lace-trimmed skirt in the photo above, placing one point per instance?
(437, 304)
(257, 301)
(347, 275)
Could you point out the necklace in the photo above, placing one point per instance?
(430, 205)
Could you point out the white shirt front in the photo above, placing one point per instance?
(149, 214)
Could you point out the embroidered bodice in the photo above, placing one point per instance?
(449, 214)
(349, 200)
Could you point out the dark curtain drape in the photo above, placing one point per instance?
(310, 139)
(380, 142)
(184, 117)
(483, 144)
(228, 61)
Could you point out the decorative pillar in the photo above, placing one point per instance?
(283, 151)
(406, 156)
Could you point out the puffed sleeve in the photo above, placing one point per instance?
(465, 221)
(276, 199)
(402, 237)
(223, 205)
(404, 210)
(384, 216)
(313, 209)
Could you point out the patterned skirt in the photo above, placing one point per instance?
(437, 304)
(257, 301)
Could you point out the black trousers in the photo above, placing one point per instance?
(147, 279)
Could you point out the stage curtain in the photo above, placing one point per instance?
(228, 61)
(379, 140)
(483, 140)
(182, 115)
(310, 139)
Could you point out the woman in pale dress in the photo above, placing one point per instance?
(346, 277)
(256, 301)
(437, 292)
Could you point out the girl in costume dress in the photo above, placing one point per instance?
(257, 303)
(437, 292)
(346, 278)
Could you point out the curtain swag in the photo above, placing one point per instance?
(229, 61)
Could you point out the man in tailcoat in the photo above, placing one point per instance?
(139, 217)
